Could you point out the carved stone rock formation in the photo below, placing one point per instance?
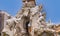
(29, 21)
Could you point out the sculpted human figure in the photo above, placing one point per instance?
(21, 23)
(36, 16)
(33, 17)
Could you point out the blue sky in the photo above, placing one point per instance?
(51, 7)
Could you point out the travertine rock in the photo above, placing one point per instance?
(29, 21)
(9, 27)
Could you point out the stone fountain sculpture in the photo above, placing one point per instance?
(27, 21)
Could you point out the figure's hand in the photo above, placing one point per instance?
(40, 7)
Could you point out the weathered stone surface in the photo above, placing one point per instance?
(29, 21)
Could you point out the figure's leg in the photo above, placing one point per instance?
(32, 31)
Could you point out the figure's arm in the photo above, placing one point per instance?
(40, 7)
(19, 14)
